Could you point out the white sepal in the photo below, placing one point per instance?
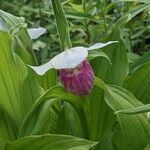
(69, 58)
(66, 60)
(100, 45)
(35, 33)
(2, 25)
(41, 70)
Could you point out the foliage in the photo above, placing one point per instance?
(36, 112)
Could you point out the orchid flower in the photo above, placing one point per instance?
(35, 33)
(76, 74)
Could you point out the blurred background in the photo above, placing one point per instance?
(89, 21)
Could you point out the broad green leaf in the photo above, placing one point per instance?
(117, 54)
(7, 125)
(131, 131)
(2, 144)
(22, 52)
(62, 25)
(106, 142)
(25, 43)
(69, 122)
(18, 89)
(49, 79)
(31, 123)
(139, 83)
(102, 117)
(145, 59)
(94, 54)
(136, 110)
(50, 141)
(147, 147)
(100, 83)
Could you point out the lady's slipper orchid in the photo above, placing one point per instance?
(76, 74)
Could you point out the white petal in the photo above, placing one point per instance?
(69, 58)
(35, 33)
(66, 60)
(41, 70)
(100, 45)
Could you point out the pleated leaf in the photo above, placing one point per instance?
(102, 117)
(50, 141)
(139, 83)
(136, 110)
(18, 89)
(36, 117)
(141, 61)
(131, 131)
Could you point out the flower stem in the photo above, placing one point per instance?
(62, 24)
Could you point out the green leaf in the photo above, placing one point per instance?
(17, 27)
(19, 90)
(130, 14)
(77, 7)
(69, 122)
(131, 131)
(136, 110)
(145, 59)
(100, 83)
(80, 15)
(117, 54)
(25, 43)
(147, 147)
(49, 79)
(38, 112)
(102, 117)
(95, 54)
(11, 21)
(75, 15)
(50, 141)
(132, 57)
(139, 83)
(62, 25)
(8, 126)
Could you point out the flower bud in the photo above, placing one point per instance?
(79, 80)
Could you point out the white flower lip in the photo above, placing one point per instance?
(35, 33)
(68, 59)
